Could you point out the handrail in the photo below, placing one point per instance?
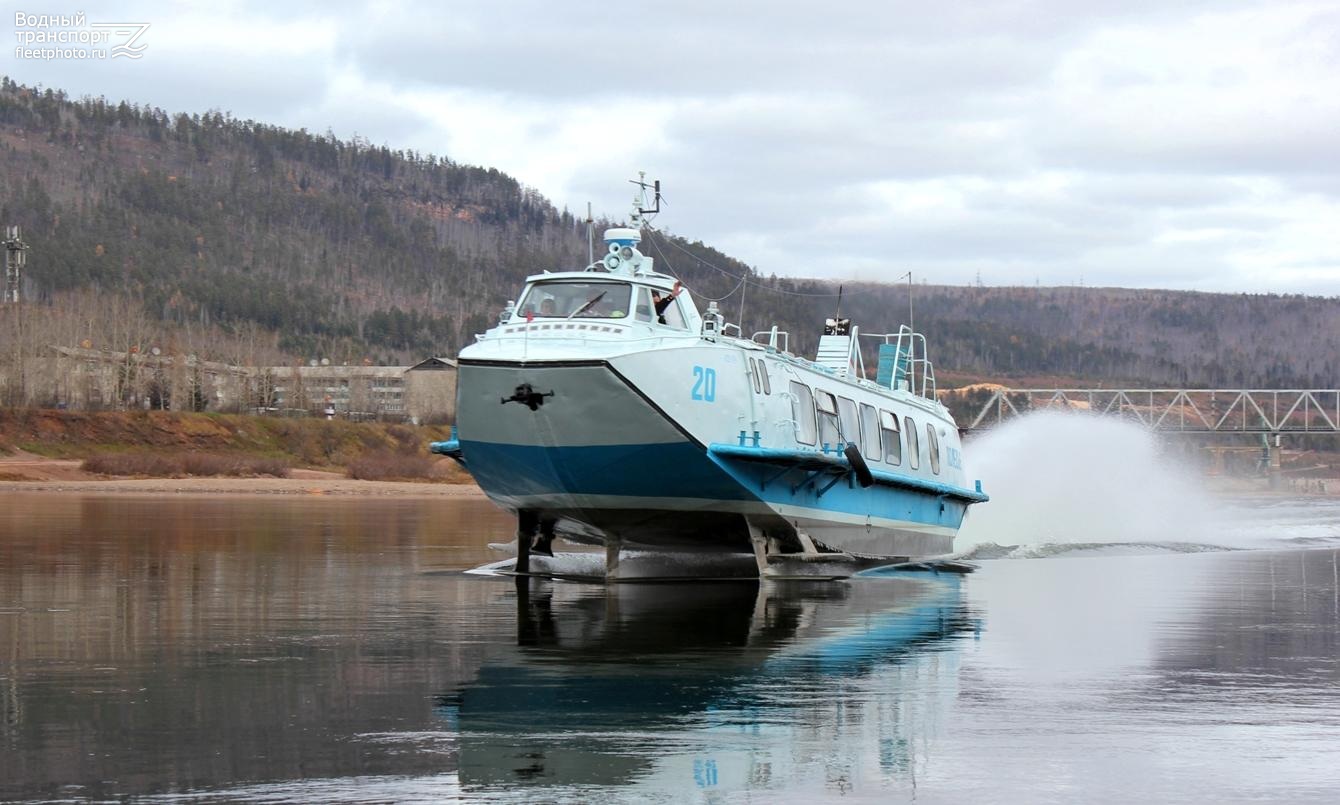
(854, 357)
(906, 342)
(772, 338)
(927, 377)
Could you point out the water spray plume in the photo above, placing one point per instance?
(1062, 478)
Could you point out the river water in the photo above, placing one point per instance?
(323, 649)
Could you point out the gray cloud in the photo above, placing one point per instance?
(1184, 145)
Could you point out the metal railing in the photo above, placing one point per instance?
(1177, 410)
(773, 335)
(920, 371)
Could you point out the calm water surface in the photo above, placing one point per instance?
(296, 650)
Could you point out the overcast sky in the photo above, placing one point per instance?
(1137, 143)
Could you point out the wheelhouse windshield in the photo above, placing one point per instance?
(574, 299)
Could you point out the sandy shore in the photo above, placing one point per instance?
(247, 486)
(29, 473)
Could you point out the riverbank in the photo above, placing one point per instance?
(303, 442)
(301, 484)
(25, 472)
(47, 451)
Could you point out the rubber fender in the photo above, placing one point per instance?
(858, 465)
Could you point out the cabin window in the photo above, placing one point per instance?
(673, 315)
(753, 370)
(870, 432)
(569, 299)
(933, 447)
(826, 404)
(893, 443)
(851, 427)
(913, 448)
(763, 373)
(802, 411)
(642, 311)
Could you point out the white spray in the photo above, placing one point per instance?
(1062, 479)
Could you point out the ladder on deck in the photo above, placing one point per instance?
(835, 354)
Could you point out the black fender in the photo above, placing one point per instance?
(858, 465)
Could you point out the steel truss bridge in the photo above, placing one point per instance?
(1246, 411)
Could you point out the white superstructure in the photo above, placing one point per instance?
(606, 408)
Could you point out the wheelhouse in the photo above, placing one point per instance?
(571, 299)
(584, 296)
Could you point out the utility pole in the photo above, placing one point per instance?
(14, 260)
(15, 257)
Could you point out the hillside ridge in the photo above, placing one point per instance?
(253, 244)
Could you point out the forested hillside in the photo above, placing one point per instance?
(241, 241)
(1115, 335)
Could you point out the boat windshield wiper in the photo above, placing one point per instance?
(587, 304)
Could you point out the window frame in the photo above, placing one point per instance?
(855, 424)
(871, 446)
(807, 400)
(933, 447)
(828, 418)
(610, 289)
(643, 300)
(674, 316)
(892, 447)
(913, 443)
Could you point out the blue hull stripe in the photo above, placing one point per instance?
(811, 459)
(845, 496)
(684, 470)
(673, 470)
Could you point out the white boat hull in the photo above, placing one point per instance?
(619, 449)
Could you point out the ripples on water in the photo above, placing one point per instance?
(316, 650)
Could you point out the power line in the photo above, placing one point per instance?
(665, 261)
(745, 280)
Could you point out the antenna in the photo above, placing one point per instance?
(744, 287)
(911, 337)
(909, 301)
(640, 208)
(837, 325)
(590, 236)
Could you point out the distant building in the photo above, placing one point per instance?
(359, 392)
(92, 379)
(430, 391)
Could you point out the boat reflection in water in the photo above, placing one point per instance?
(725, 685)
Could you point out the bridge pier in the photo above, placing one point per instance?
(1274, 457)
